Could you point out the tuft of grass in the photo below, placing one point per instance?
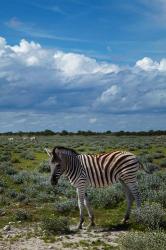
(55, 225)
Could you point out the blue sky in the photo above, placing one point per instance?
(78, 65)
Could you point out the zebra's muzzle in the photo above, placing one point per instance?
(54, 181)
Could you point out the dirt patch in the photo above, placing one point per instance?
(28, 238)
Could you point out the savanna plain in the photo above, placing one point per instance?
(34, 215)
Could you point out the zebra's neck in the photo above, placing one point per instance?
(73, 168)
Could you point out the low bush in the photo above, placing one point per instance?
(143, 240)
(55, 225)
(163, 163)
(44, 167)
(150, 215)
(7, 168)
(21, 177)
(28, 155)
(15, 159)
(158, 155)
(22, 215)
(67, 206)
(106, 197)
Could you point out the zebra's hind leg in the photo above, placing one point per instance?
(129, 198)
(133, 187)
(81, 196)
(90, 211)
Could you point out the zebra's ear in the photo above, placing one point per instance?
(48, 151)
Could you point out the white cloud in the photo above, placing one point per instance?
(72, 64)
(109, 94)
(147, 64)
(25, 47)
(35, 79)
(32, 60)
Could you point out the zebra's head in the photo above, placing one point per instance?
(57, 162)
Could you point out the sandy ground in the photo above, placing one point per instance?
(13, 238)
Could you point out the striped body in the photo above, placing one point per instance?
(105, 169)
(98, 171)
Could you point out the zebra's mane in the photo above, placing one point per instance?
(62, 148)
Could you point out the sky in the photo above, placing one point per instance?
(82, 65)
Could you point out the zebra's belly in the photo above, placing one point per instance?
(101, 184)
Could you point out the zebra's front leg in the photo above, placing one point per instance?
(81, 196)
(90, 212)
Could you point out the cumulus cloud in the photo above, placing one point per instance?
(37, 80)
(147, 64)
(72, 64)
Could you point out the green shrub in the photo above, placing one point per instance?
(12, 193)
(21, 177)
(151, 216)
(66, 206)
(143, 241)
(15, 159)
(55, 225)
(21, 197)
(22, 215)
(163, 163)
(7, 168)
(44, 167)
(162, 197)
(2, 183)
(28, 155)
(106, 197)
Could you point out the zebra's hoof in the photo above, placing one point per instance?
(79, 227)
(125, 221)
(91, 225)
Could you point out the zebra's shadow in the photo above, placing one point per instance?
(100, 229)
(113, 228)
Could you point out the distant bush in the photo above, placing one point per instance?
(44, 167)
(28, 155)
(55, 225)
(12, 193)
(7, 168)
(21, 197)
(163, 163)
(66, 206)
(15, 159)
(20, 178)
(65, 188)
(5, 156)
(151, 167)
(106, 197)
(158, 155)
(143, 240)
(161, 197)
(2, 183)
(151, 216)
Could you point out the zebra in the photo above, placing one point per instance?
(100, 170)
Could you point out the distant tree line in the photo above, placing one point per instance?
(86, 133)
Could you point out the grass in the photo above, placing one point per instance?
(42, 202)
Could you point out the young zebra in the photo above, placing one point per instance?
(98, 171)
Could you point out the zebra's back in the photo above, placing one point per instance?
(104, 169)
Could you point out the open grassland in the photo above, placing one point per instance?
(27, 199)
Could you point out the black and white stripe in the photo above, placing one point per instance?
(98, 171)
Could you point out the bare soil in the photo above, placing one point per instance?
(28, 238)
